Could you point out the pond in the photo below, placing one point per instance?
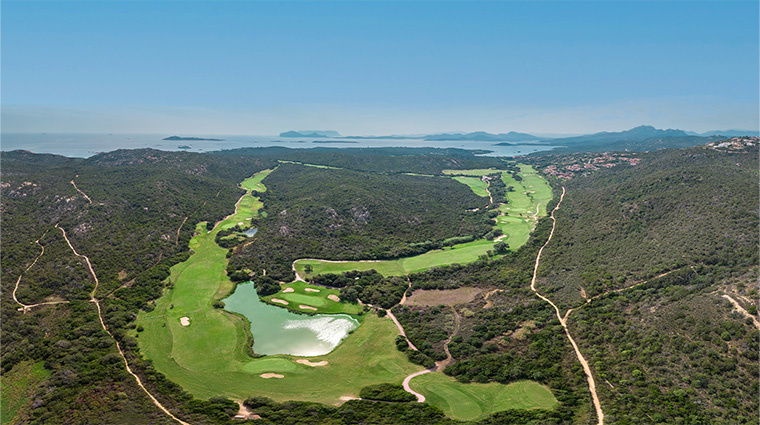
(276, 330)
(250, 232)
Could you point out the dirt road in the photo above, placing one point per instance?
(563, 321)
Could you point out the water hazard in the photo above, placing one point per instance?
(278, 331)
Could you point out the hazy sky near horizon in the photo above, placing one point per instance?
(245, 67)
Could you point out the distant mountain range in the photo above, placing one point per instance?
(310, 133)
(478, 136)
(481, 136)
(641, 138)
(726, 133)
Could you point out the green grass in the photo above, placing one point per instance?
(478, 186)
(18, 387)
(314, 299)
(480, 172)
(209, 357)
(517, 222)
(475, 401)
(254, 182)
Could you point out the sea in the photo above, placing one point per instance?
(87, 145)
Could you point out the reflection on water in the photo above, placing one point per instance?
(251, 232)
(278, 331)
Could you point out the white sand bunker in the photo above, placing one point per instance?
(279, 301)
(334, 297)
(311, 290)
(288, 290)
(348, 397)
(271, 375)
(184, 321)
(312, 364)
(306, 307)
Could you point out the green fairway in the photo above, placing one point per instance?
(315, 296)
(209, 357)
(478, 186)
(475, 401)
(517, 220)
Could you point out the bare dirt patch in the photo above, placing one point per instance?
(271, 375)
(312, 364)
(334, 298)
(184, 321)
(434, 297)
(279, 301)
(306, 307)
(286, 290)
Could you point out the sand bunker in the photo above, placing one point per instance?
(184, 321)
(288, 290)
(279, 301)
(311, 290)
(348, 397)
(271, 375)
(306, 307)
(312, 364)
(334, 297)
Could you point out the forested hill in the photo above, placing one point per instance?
(676, 208)
(683, 225)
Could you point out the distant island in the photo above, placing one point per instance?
(333, 141)
(178, 138)
(310, 133)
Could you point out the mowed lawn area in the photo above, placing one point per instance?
(517, 220)
(478, 186)
(476, 401)
(301, 293)
(209, 357)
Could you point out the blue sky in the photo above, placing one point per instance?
(378, 67)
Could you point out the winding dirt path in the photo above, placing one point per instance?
(400, 329)
(83, 194)
(26, 307)
(441, 365)
(103, 324)
(407, 388)
(563, 321)
(489, 304)
(741, 310)
(178, 229)
(488, 184)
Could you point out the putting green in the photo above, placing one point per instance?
(474, 401)
(517, 221)
(209, 357)
(320, 300)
